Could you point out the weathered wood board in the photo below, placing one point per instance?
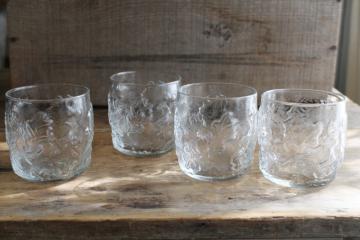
(123, 197)
(264, 43)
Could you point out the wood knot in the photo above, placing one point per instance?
(333, 47)
(13, 39)
(220, 31)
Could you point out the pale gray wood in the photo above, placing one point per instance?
(122, 197)
(264, 43)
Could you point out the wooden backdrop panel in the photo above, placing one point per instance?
(264, 43)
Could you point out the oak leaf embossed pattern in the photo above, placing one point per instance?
(49, 130)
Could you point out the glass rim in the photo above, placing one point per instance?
(8, 93)
(340, 97)
(253, 90)
(177, 78)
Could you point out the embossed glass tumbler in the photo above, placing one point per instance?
(301, 136)
(141, 111)
(49, 130)
(215, 129)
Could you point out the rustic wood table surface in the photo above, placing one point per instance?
(122, 197)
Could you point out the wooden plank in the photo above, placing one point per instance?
(264, 43)
(122, 197)
(270, 229)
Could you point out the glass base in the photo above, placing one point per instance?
(211, 178)
(135, 153)
(53, 179)
(292, 184)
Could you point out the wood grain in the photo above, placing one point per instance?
(122, 197)
(264, 43)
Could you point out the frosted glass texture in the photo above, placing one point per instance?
(215, 126)
(49, 130)
(301, 136)
(141, 111)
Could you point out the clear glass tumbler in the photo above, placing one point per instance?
(141, 111)
(301, 136)
(215, 132)
(49, 130)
